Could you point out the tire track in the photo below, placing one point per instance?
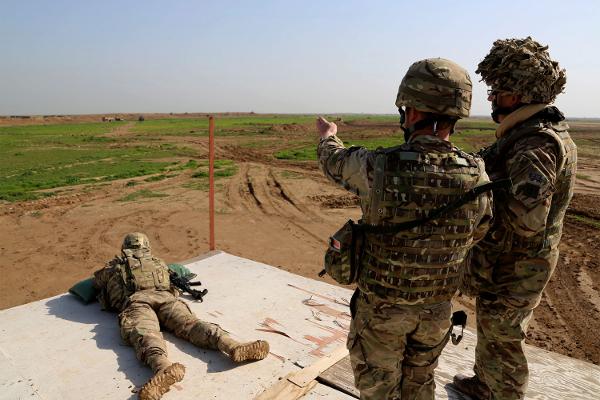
(287, 195)
(257, 191)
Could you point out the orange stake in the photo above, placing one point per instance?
(211, 180)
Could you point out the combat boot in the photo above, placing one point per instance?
(472, 386)
(161, 382)
(240, 352)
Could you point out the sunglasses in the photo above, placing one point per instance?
(494, 92)
(402, 112)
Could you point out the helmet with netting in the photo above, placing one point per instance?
(523, 67)
(136, 241)
(438, 86)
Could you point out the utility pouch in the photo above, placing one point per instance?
(342, 257)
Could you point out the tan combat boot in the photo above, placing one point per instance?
(472, 386)
(161, 382)
(239, 352)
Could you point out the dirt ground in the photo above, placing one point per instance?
(276, 212)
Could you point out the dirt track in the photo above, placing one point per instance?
(270, 211)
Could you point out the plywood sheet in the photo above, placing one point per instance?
(58, 348)
(552, 376)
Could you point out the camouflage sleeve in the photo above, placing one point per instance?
(351, 168)
(102, 276)
(484, 216)
(532, 166)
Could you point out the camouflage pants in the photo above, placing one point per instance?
(147, 311)
(394, 349)
(499, 358)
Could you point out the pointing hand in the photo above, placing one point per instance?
(325, 128)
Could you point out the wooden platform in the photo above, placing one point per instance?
(58, 348)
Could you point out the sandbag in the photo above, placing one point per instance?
(84, 290)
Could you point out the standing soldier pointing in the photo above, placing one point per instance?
(513, 264)
(401, 310)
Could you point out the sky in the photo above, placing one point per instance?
(328, 56)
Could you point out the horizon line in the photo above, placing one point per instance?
(26, 116)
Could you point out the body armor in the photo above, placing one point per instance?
(421, 265)
(128, 274)
(144, 272)
(504, 239)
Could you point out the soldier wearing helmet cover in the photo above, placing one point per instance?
(401, 310)
(514, 262)
(137, 284)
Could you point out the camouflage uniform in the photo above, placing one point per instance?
(514, 262)
(401, 318)
(143, 312)
(138, 286)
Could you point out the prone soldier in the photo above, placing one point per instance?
(137, 284)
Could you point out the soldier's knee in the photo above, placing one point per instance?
(131, 330)
(422, 374)
(418, 355)
(504, 335)
(376, 383)
(379, 381)
(209, 328)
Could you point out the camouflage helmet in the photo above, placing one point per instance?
(523, 67)
(438, 86)
(136, 241)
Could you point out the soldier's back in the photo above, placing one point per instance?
(421, 265)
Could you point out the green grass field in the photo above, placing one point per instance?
(142, 194)
(223, 168)
(40, 160)
(36, 158)
(466, 139)
(243, 125)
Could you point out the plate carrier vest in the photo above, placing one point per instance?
(421, 265)
(143, 272)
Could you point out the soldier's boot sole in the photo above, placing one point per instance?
(160, 383)
(251, 351)
(472, 386)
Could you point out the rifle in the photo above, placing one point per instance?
(185, 285)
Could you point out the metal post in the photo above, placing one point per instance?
(211, 181)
